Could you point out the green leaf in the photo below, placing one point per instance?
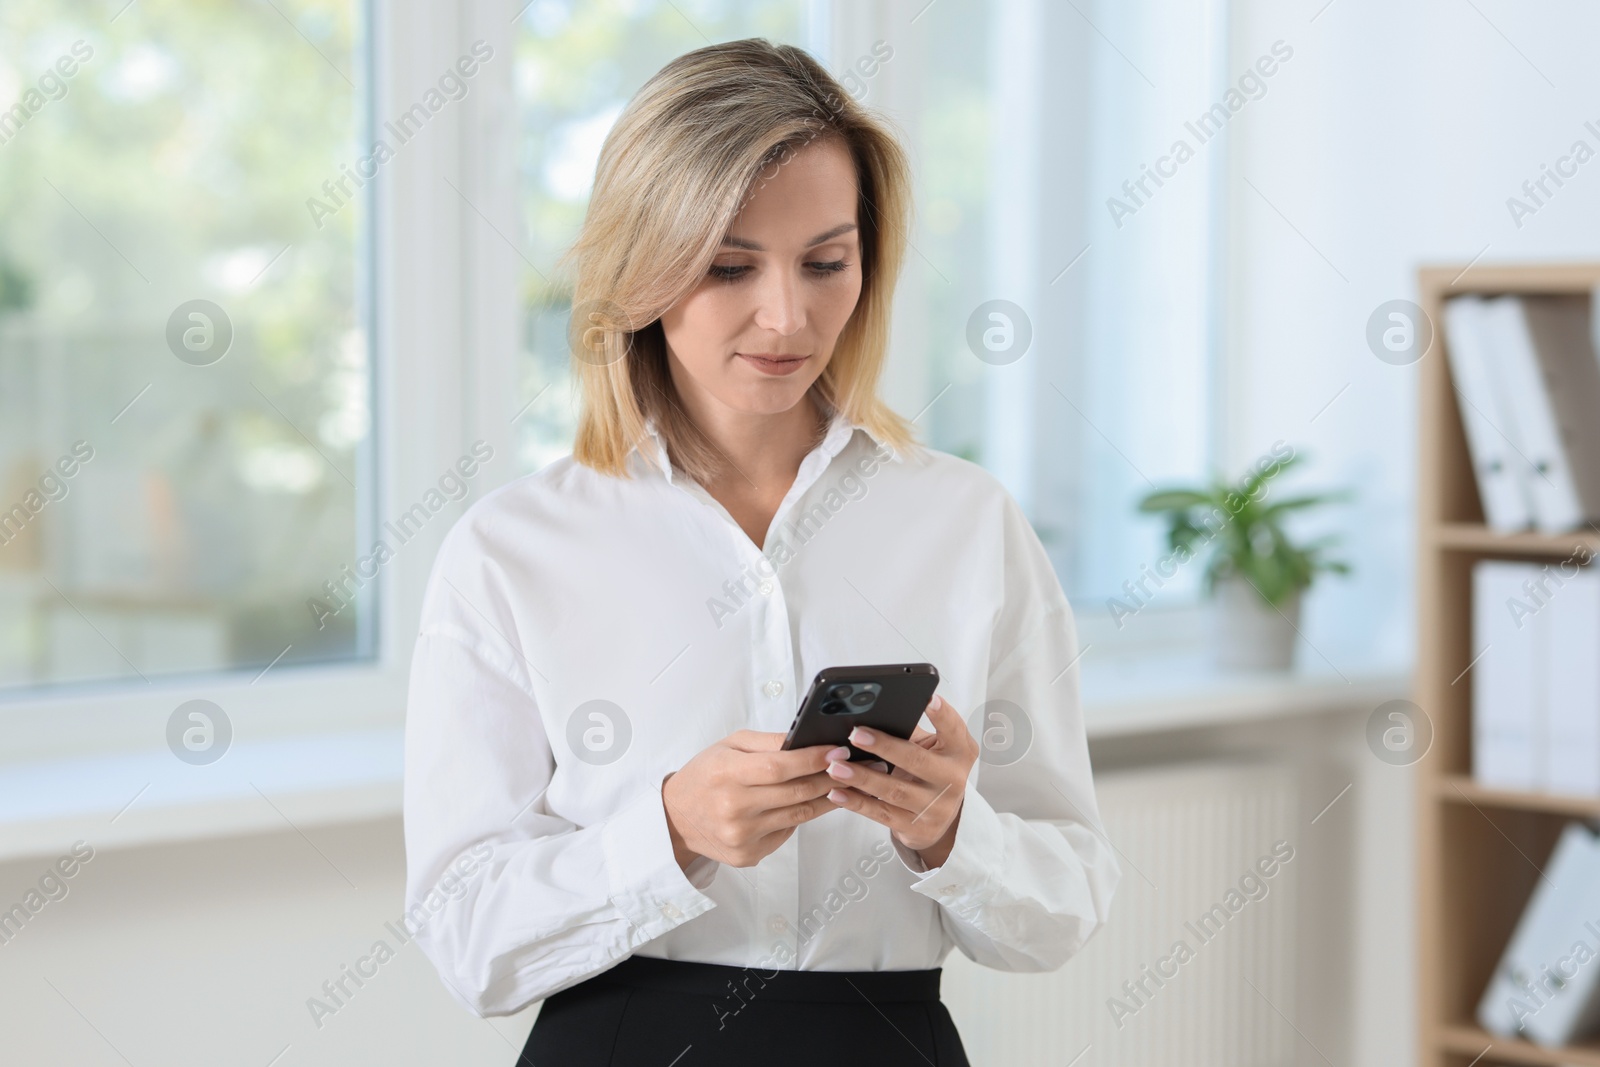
(1241, 529)
(1172, 500)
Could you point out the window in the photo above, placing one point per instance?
(1147, 382)
(1101, 376)
(217, 524)
(185, 418)
(577, 65)
(1016, 157)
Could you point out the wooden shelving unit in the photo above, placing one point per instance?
(1475, 537)
(1462, 1044)
(1476, 847)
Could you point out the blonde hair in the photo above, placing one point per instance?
(674, 171)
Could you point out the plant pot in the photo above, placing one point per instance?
(1249, 634)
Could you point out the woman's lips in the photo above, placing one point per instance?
(773, 364)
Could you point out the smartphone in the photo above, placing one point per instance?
(890, 697)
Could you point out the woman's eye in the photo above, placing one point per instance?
(730, 273)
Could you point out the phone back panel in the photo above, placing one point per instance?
(905, 691)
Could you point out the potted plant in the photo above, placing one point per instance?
(1255, 574)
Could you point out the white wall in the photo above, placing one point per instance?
(207, 953)
(1391, 139)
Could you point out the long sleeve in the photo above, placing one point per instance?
(1030, 875)
(510, 902)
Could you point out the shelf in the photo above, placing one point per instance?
(1472, 1041)
(1476, 846)
(1491, 278)
(1461, 789)
(1475, 537)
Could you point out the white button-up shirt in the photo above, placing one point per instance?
(583, 636)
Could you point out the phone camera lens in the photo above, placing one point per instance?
(839, 692)
(862, 699)
(834, 707)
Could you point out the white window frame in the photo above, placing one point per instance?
(443, 349)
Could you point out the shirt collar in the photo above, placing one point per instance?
(840, 431)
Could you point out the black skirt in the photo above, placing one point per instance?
(664, 1013)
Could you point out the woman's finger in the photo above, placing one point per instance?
(917, 760)
(945, 718)
(872, 808)
(907, 829)
(913, 795)
(795, 791)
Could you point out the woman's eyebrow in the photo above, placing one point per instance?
(752, 246)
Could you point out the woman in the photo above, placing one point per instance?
(597, 810)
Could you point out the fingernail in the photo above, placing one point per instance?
(933, 705)
(836, 795)
(835, 754)
(861, 736)
(841, 770)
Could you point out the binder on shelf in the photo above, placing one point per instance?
(1563, 331)
(1536, 676)
(1508, 720)
(1490, 434)
(1540, 458)
(1546, 988)
(1573, 694)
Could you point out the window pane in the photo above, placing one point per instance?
(1150, 286)
(577, 65)
(179, 479)
(1017, 154)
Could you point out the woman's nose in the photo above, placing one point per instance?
(780, 308)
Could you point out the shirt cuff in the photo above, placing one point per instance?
(647, 885)
(970, 875)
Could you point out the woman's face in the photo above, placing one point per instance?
(761, 325)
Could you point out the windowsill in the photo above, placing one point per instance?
(149, 797)
(1184, 690)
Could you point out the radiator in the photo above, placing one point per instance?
(1188, 834)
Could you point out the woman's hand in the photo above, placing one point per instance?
(739, 799)
(920, 802)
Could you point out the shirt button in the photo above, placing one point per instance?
(773, 688)
(777, 924)
(952, 889)
(766, 588)
(671, 911)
